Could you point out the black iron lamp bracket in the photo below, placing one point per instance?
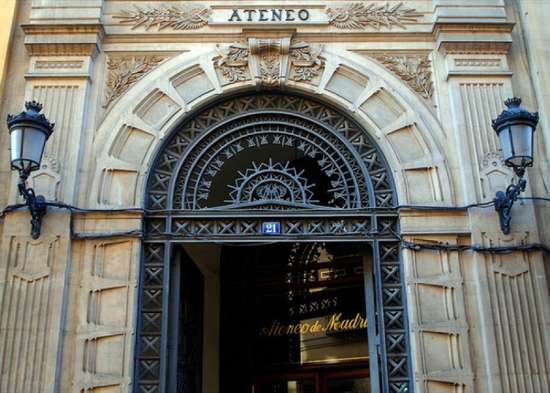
(37, 206)
(505, 200)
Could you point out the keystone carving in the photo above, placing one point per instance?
(124, 72)
(414, 70)
(177, 18)
(358, 16)
(268, 61)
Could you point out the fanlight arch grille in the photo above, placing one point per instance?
(271, 127)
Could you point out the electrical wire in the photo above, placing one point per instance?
(414, 246)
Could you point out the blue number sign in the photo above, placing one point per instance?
(271, 228)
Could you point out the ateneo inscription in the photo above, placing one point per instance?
(269, 15)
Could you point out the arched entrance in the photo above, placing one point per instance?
(279, 167)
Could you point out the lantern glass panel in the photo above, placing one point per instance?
(522, 143)
(27, 145)
(506, 143)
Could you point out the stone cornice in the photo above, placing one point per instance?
(63, 39)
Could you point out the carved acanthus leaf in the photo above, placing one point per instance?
(415, 70)
(166, 16)
(233, 62)
(307, 60)
(124, 72)
(358, 16)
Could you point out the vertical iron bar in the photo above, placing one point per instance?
(134, 379)
(381, 342)
(165, 312)
(371, 324)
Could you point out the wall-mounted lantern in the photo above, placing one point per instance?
(29, 132)
(515, 128)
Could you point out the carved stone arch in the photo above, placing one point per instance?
(401, 124)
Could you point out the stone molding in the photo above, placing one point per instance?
(63, 39)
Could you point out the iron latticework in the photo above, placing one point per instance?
(271, 157)
(192, 159)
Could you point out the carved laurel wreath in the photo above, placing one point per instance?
(173, 16)
(357, 16)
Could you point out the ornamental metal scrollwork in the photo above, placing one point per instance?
(355, 173)
(271, 185)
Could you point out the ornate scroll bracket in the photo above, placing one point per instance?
(414, 70)
(269, 61)
(177, 18)
(124, 72)
(358, 16)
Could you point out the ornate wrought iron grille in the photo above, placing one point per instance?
(251, 159)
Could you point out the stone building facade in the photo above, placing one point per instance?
(137, 88)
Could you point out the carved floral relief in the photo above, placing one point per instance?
(124, 72)
(307, 60)
(414, 70)
(358, 16)
(175, 17)
(233, 62)
(267, 60)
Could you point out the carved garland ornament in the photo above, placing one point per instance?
(124, 72)
(358, 16)
(414, 70)
(177, 18)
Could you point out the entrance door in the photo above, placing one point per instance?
(294, 318)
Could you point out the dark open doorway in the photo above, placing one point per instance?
(292, 318)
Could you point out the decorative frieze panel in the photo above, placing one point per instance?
(362, 15)
(173, 16)
(270, 62)
(358, 16)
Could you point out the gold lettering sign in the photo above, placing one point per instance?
(335, 323)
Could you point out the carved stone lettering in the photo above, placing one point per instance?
(269, 15)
